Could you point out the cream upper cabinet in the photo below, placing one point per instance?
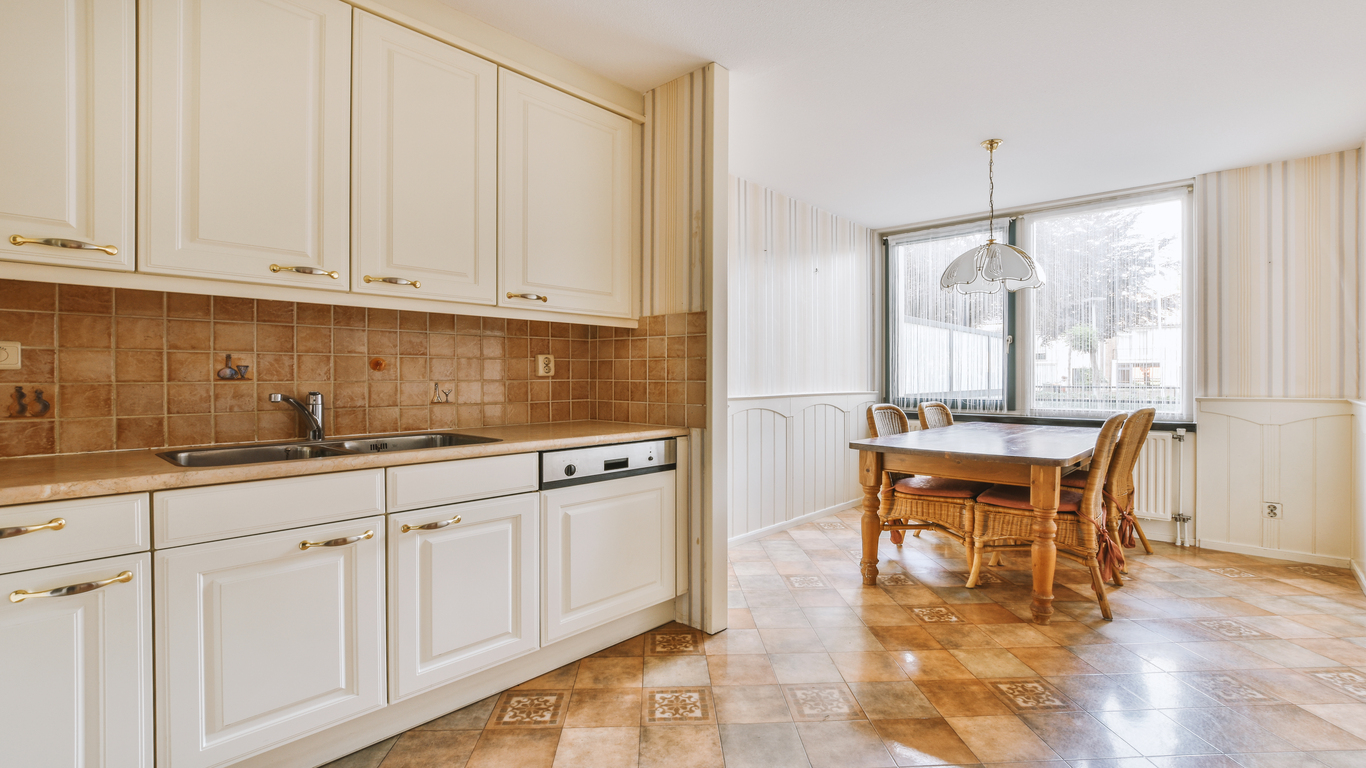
(67, 136)
(244, 154)
(424, 184)
(567, 202)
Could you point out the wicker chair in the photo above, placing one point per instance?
(934, 415)
(1005, 520)
(1119, 493)
(935, 503)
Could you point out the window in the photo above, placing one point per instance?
(1104, 334)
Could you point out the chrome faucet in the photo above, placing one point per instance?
(314, 411)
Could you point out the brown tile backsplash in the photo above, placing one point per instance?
(128, 369)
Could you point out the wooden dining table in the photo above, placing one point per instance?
(1035, 456)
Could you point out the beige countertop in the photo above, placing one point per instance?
(68, 476)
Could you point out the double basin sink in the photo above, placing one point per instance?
(256, 454)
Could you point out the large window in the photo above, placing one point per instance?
(1105, 333)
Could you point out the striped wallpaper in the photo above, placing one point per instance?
(1280, 305)
(671, 279)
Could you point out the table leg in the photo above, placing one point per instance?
(1043, 496)
(870, 477)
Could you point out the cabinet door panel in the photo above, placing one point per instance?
(425, 138)
(66, 141)
(463, 596)
(77, 682)
(566, 175)
(609, 551)
(246, 152)
(260, 642)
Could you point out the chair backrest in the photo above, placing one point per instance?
(1119, 480)
(1091, 497)
(886, 419)
(933, 414)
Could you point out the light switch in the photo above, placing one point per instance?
(9, 356)
(545, 365)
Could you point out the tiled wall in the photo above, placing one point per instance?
(654, 374)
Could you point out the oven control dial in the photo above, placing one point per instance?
(570, 469)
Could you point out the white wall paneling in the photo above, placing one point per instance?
(1297, 453)
(790, 459)
(1358, 508)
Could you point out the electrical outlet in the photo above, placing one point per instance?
(545, 365)
(9, 355)
(1272, 510)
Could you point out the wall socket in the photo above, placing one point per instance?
(1271, 510)
(9, 356)
(545, 365)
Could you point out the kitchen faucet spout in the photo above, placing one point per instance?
(314, 411)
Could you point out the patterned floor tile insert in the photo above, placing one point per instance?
(1028, 695)
(830, 701)
(1227, 690)
(673, 643)
(1349, 681)
(677, 706)
(985, 577)
(936, 615)
(530, 709)
(1313, 571)
(1231, 628)
(806, 582)
(832, 526)
(1234, 573)
(896, 580)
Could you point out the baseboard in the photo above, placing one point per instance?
(745, 538)
(341, 740)
(1361, 577)
(1279, 554)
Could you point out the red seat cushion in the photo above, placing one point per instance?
(944, 487)
(1016, 497)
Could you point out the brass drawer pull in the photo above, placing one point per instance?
(305, 271)
(393, 280)
(55, 524)
(336, 542)
(58, 242)
(430, 526)
(19, 596)
(528, 296)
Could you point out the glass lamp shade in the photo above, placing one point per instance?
(990, 267)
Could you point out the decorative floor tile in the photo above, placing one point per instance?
(664, 706)
(1227, 690)
(1233, 573)
(1028, 695)
(530, 709)
(831, 701)
(832, 526)
(1348, 681)
(936, 615)
(1312, 571)
(896, 580)
(673, 643)
(985, 577)
(806, 582)
(1231, 628)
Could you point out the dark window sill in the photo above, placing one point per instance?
(1060, 421)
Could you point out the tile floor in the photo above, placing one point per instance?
(1215, 660)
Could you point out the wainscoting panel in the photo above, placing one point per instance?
(1296, 454)
(790, 459)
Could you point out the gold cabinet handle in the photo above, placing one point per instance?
(336, 542)
(528, 296)
(19, 596)
(430, 526)
(55, 524)
(393, 280)
(305, 271)
(59, 242)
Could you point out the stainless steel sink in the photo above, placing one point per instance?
(409, 442)
(250, 454)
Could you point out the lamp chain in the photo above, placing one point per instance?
(991, 192)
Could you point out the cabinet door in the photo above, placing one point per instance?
(425, 181)
(245, 154)
(77, 675)
(566, 201)
(67, 137)
(462, 596)
(260, 642)
(609, 551)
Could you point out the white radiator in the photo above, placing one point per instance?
(1157, 477)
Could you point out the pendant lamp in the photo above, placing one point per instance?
(992, 266)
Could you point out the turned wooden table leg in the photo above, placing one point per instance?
(870, 477)
(1043, 496)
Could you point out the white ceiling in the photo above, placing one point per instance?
(873, 109)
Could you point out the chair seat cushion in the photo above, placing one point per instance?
(942, 487)
(1016, 497)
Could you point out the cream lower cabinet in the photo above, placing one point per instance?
(66, 140)
(462, 590)
(609, 551)
(260, 642)
(76, 677)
